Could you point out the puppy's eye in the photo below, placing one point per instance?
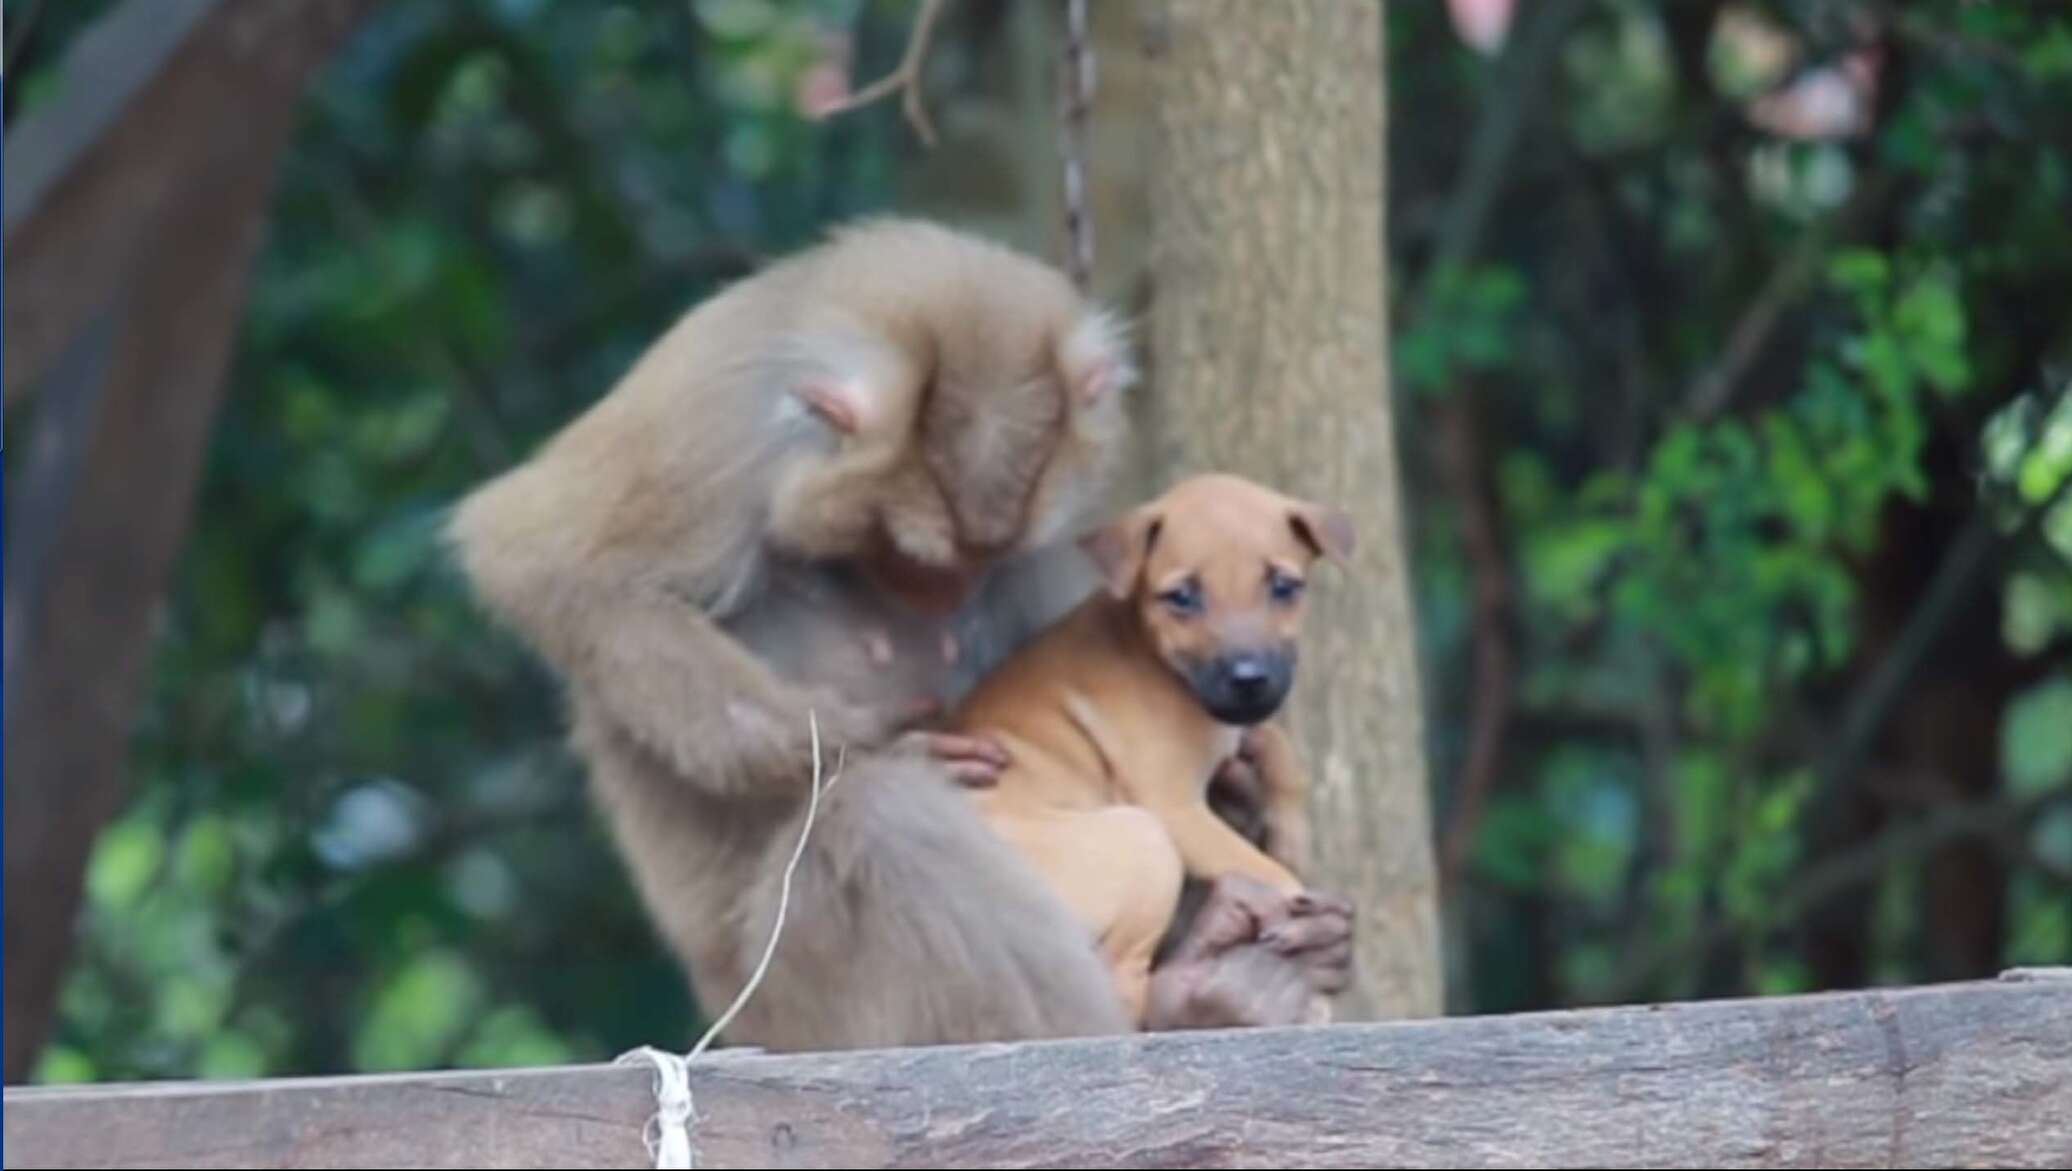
(1184, 598)
(1282, 587)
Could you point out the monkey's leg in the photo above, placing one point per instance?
(1118, 870)
(909, 923)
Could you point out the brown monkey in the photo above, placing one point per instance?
(837, 489)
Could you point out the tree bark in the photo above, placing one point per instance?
(1268, 356)
(134, 210)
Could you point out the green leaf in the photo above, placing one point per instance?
(232, 1056)
(418, 1014)
(2036, 738)
(208, 855)
(64, 1065)
(1564, 565)
(125, 863)
(513, 1037)
(1859, 270)
(1511, 843)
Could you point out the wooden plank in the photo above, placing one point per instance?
(152, 228)
(1969, 1075)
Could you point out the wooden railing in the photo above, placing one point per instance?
(1962, 1075)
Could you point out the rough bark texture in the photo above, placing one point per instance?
(1976, 1075)
(135, 205)
(1269, 357)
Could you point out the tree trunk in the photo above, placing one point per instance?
(1268, 357)
(133, 215)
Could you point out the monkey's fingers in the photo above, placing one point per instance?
(1230, 917)
(971, 774)
(957, 746)
(1295, 936)
(1331, 970)
(1312, 902)
(973, 761)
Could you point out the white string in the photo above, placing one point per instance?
(668, 1132)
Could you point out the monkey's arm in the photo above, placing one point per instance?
(675, 682)
(625, 619)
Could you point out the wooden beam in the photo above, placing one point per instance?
(126, 270)
(1967, 1075)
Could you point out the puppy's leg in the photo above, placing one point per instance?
(1119, 871)
(1284, 795)
(1210, 848)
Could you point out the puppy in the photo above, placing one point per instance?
(1114, 720)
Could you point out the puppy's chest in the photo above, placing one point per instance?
(1165, 763)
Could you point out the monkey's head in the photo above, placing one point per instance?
(965, 404)
(1215, 571)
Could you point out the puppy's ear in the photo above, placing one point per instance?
(1328, 531)
(1118, 550)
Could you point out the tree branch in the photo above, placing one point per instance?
(904, 80)
(1714, 388)
(1464, 462)
(1493, 146)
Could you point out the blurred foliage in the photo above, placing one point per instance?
(1740, 392)
(357, 841)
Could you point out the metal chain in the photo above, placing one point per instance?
(1076, 96)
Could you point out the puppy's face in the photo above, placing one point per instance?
(1217, 570)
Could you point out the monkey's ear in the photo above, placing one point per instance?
(1095, 359)
(1328, 531)
(841, 404)
(1118, 550)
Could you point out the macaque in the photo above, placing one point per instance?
(832, 495)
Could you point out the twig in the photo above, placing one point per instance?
(1465, 466)
(904, 80)
(1483, 178)
(1492, 148)
(1714, 389)
(1960, 571)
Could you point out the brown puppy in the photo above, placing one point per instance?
(1116, 718)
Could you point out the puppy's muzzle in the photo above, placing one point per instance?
(1243, 687)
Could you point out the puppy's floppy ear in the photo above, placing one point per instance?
(1327, 530)
(1118, 549)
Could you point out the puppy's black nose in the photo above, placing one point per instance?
(1243, 687)
(1249, 676)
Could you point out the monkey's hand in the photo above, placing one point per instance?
(1253, 958)
(972, 759)
(1315, 930)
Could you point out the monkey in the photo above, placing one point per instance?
(823, 503)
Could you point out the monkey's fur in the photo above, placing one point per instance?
(887, 433)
